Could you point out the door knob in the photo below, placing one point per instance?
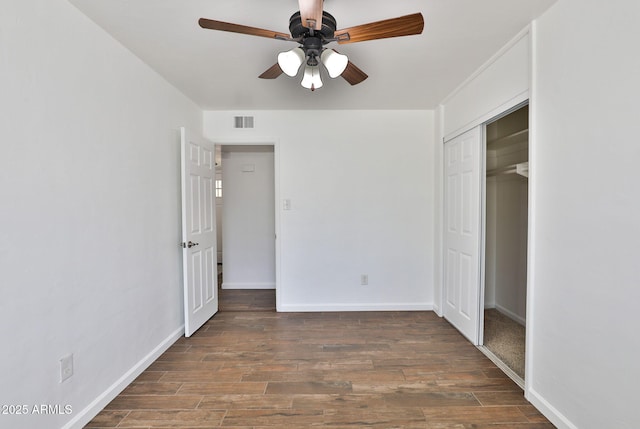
(190, 244)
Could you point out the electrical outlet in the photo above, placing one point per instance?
(364, 279)
(66, 367)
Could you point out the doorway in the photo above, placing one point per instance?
(246, 204)
(505, 241)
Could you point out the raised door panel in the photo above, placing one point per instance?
(199, 233)
(462, 166)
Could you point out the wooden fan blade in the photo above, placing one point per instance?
(272, 72)
(311, 13)
(394, 27)
(211, 24)
(353, 74)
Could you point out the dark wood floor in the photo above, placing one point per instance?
(247, 300)
(262, 369)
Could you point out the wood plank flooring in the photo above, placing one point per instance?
(247, 300)
(262, 369)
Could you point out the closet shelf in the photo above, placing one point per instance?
(509, 138)
(521, 168)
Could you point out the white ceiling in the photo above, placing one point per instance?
(219, 70)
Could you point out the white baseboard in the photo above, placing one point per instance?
(550, 412)
(268, 285)
(355, 307)
(436, 310)
(511, 315)
(504, 367)
(98, 404)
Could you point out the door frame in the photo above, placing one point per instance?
(483, 210)
(276, 188)
(483, 213)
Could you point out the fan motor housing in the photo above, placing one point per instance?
(326, 32)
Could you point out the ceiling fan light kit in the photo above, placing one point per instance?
(312, 28)
(290, 61)
(311, 79)
(334, 62)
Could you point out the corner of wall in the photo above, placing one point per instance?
(438, 131)
(551, 413)
(90, 411)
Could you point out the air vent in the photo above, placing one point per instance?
(243, 121)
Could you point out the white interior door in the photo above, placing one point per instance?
(462, 166)
(198, 232)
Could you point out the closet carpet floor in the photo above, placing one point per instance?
(505, 338)
(262, 369)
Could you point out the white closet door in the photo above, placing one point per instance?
(462, 166)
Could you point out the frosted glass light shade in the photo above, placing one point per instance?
(311, 79)
(290, 61)
(334, 62)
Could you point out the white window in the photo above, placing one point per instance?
(218, 188)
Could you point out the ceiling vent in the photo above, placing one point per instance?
(243, 121)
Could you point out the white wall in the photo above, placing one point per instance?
(361, 190)
(89, 214)
(438, 230)
(248, 217)
(506, 211)
(499, 84)
(585, 342)
(490, 231)
(510, 243)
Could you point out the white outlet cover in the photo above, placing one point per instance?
(66, 367)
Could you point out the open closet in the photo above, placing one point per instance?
(506, 228)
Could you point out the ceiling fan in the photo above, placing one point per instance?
(313, 28)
